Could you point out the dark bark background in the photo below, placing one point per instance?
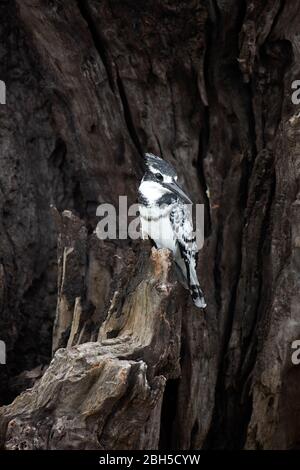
(91, 86)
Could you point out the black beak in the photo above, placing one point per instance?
(177, 190)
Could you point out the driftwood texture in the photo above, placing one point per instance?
(105, 394)
(91, 85)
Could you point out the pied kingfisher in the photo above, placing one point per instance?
(166, 219)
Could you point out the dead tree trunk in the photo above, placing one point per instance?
(92, 85)
(104, 387)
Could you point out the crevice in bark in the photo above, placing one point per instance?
(224, 418)
(276, 18)
(128, 116)
(168, 415)
(98, 39)
(220, 423)
(194, 433)
(78, 198)
(202, 152)
(216, 269)
(58, 155)
(214, 11)
(263, 240)
(249, 346)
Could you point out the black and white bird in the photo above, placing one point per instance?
(166, 219)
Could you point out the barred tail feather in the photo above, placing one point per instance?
(197, 296)
(195, 290)
(186, 273)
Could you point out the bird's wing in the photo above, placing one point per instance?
(186, 256)
(181, 221)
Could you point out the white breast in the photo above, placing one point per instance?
(155, 224)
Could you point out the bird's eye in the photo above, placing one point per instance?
(159, 177)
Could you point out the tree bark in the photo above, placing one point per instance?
(91, 86)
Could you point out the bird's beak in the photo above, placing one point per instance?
(177, 190)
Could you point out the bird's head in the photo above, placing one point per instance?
(160, 180)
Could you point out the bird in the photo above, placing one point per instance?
(165, 218)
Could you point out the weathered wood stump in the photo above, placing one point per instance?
(105, 394)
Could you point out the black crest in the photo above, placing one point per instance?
(159, 164)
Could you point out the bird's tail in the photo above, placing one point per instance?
(197, 296)
(195, 290)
